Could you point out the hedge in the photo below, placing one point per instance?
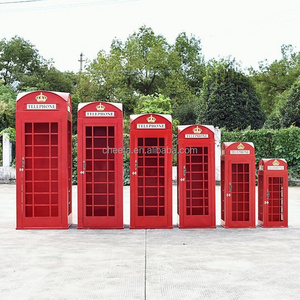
(271, 143)
(268, 143)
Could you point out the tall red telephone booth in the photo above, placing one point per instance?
(196, 176)
(100, 165)
(238, 185)
(150, 171)
(273, 193)
(44, 160)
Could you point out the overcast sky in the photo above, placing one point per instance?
(249, 31)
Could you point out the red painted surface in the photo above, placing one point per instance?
(150, 171)
(196, 176)
(272, 193)
(44, 160)
(238, 185)
(100, 165)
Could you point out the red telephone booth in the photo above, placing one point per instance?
(196, 176)
(44, 160)
(273, 193)
(238, 185)
(150, 171)
(100, 165)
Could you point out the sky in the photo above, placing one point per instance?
(249, 31)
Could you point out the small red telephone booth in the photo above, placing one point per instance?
(273, 193)
(150, 171)
(100, 165)
(44, 160)
(238, 185)
(196, 176)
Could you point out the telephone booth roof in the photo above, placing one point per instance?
(202, 128)
(150, 121)
(100, 109)
(272, 161)
(64, 96)
(228, 147)
(42, 100)
(272, 164)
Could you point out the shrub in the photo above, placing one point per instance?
(270, 143)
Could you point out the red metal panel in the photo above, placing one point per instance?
(196, 176)
(151, 171)
(44, 160)
(238, 185)
(100, 165)
(273, 193)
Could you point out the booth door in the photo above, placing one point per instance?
(150, 195)
(274, 204)
(239, 191)
(196, 190)
(99, 163)
(41, 173)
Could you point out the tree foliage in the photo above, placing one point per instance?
(145, 64)
(272, 80)
(153, 104)
(282, 143)
(18, 58)
(228, 99)
(7, 107)
(50, 79)
(23, 68)
(290, 112)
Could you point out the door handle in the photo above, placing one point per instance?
(135, 164)
(184, 171)
(23, 165)
(83, 167)
(230, 187)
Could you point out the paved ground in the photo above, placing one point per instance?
(149, 264)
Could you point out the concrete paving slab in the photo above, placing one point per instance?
(223, 264)
(148, 264)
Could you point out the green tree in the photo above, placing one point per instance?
(272, 80)
(50, 79)
(7, 107)
(19, 58)
(145, 64)
(153, 104)
(184, 83)
(228, 98)
(290, 112)
(192, 63)
(131, 69)
(186, 113)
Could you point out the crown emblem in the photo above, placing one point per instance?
(240, 146)
(275, 163)
(197, 130)
(41, 98)
(151, 119)
(100, 107)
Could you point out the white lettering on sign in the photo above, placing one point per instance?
(41, 106)
(151, 126)
(275, 168)
(99, 113)
(239, 151)
(196, 136)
